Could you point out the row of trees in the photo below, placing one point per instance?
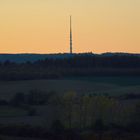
(34, 97)
(81, 111)
(82, 65)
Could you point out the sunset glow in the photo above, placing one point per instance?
(42, 26)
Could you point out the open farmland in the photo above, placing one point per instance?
(92, 85)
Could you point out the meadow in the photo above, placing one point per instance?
(86, 85)
(114, 86)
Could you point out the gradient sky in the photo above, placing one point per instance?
(42, 26)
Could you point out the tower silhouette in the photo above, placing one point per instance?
(71, 35)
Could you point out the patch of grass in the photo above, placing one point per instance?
(6, 111)
(121, 80)
(80, 85)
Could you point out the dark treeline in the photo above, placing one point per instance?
(76, 65)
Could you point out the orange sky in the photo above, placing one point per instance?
(42, 26)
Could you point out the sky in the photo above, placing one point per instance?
(42, 26)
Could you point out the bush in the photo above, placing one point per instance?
(18, 100)
(57, 127)
(32, 112)
(3, 102)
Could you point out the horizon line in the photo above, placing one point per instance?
(67, 53)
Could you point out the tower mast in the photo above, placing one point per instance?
(70, 35)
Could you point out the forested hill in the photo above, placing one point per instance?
(27, 66)
(19, 58)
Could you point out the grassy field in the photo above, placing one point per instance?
(117, 80)
(6, 112)
(88, 85)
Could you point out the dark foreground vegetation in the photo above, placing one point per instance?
(74, 65)
(75, 117)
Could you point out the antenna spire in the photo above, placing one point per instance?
(70, 35)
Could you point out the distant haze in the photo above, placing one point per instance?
(42, 26)
(19, 58)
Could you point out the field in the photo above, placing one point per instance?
(87, 85)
